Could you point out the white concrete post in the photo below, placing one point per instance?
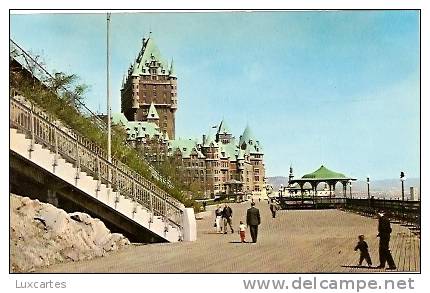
(189, 225)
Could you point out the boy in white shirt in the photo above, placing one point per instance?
(242, 229)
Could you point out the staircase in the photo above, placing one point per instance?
(81, 164)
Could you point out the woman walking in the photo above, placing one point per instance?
(218, 217)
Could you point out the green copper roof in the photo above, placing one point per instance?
(228, 150)
(166, 136)
(324, 173)
(210, 138)
(223, 128)
(185, 146)
(152, 113)
(241, 154)
(172, 72)
(119, 118)
(148, 53)
(246, 136)
(139, 129)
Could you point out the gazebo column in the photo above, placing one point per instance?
(344, 183)
(329, 186)
(314, 191)
(301, 191)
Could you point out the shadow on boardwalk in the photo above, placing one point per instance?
(293, 242)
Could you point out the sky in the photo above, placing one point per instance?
(340, 88)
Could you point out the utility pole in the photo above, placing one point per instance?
(108, 95)
(107, 88)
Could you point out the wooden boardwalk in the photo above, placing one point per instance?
(293, 242)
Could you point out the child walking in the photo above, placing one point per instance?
(242, 229)
(364, 251)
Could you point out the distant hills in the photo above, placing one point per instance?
(389, 187)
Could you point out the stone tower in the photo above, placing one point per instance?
(150, 80)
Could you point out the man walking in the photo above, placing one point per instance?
(227, 214)
(253, 220)
(384, 229)
(273, 208)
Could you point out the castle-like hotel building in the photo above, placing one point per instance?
(218, 163)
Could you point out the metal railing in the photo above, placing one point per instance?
(90, 158)
(44, 77)
(408, 212)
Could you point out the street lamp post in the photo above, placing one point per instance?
(350, 189)
(368, 190)
(402, 179)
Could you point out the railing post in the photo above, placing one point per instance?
(31, 148)
(133, 192)
(116, 184)
(133, 189)
(98, 173)
(78, 163)
(151, 208)
(55, 164)
(166, 220)
(109, 175)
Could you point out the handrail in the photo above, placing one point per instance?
(42, 75)
(87, 156)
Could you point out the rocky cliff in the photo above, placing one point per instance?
(41, 234)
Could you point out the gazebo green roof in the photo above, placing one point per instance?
(323, 174)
